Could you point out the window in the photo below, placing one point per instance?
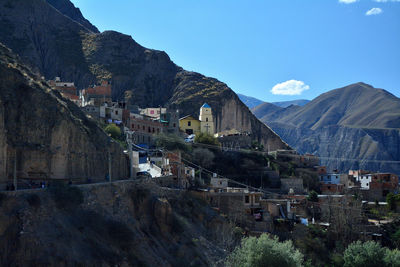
(116, 112)
(246, 199)
(367, 184)
(149, 129)
(206, 119)
(189, 123)
(144, 128)
(174, 125)
(158, 130)
(133, 126)
(153, 130)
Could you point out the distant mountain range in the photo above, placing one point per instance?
(253, 102)
(250, 101)
(353, 127)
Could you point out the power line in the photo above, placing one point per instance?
(286, 155)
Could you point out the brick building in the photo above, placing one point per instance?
(97, 94)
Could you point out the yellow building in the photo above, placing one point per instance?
(206, 119)
(189, 125)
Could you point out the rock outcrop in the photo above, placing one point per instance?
(55, 45)
(126, 223)
(49, 136)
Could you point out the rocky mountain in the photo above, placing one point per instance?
(47, 135)
(54, 44)
(69, 10)
(249, 101)
(356, 126)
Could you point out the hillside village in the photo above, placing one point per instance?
(111, 154)
(285, 195)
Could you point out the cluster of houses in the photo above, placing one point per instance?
(371, 186)
(140, 124)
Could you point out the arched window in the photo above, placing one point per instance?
(206, 119)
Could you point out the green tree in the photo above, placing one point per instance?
(205, 138)
(113, 130)
(265, 251)
(368, 254)
(392, 258)
(392, 200)
(312, 196)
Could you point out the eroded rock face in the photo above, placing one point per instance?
(228, 111)
(48, 134)
(123, 224)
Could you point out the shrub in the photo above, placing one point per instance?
(113, 130)
(392, 258)
(265, 251)
(205, 138)
(392, 200)
(365, 254)
(171, 142)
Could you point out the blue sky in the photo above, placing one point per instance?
(260, 47)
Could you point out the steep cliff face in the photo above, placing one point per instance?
(192, 89)
(55, 45)
(46, 133)
(120, 224)
(68, 9)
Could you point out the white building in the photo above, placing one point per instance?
(153, 112)
(365, 180)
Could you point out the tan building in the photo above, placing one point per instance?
(189, 125)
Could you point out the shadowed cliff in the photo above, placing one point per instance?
(47, 133)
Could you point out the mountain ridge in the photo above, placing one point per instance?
(357, 122)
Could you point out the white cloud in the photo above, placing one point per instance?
(347, 1)
(373, 11)
(291, 87)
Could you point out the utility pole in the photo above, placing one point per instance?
(179, 174)
(109, 166)
(15, 171)
(200, 175)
